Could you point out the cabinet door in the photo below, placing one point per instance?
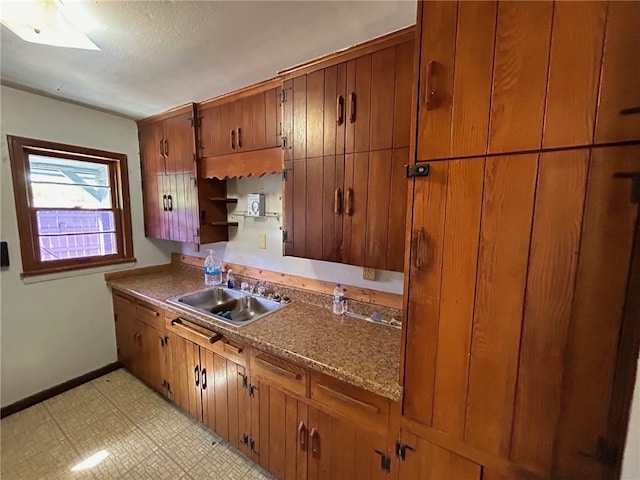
(358, 104)
(215, 395)
(179, 144)
(152, 201)
(283, 433)
(338, 448)
(427, 461)
(151, 139)
(153, 357)
(185, 375)
(273, 118)
(251, 124)
(619, 104)
(124, 311)
(217, 130)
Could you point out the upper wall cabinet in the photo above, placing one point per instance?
(167, 142)
(247, 123)
(500, 77)
(346, 123)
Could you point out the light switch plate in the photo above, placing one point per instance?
(262, 241)
(369, 273)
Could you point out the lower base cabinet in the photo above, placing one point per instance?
(427, 461)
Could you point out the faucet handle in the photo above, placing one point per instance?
(261, 288)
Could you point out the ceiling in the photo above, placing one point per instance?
(156, 55)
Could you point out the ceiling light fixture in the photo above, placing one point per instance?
(45, 22)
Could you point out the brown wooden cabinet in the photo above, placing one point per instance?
(169, 180)
(346, 132)
(124, 315)
(497, 77)
(516, 305)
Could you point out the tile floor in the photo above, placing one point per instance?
(146, 438)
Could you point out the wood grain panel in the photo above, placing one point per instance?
(315, 114)
(153, 212)
(221, 393)
(287, 120)
(362, 122)
(404, 76)
(472, 78)
(259, 121)
(207, 370)
(427, 232)
(299, 207)
(438, 46)
(505, 232)
(550, 282)
(314, 207)
(383, 72)
(354, 227)
(377, 220)
(520, 76)
(620, 81)
(233, 383)
(333, 177)
(149, 136)
(260, 421)
(330, 127)
(610, 219)
(288, 208)
(273, 119)
(298, 137)
(459, 262)
(574, 73)
(397, 211)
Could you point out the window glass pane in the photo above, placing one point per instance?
(62, 183)
(75, 234)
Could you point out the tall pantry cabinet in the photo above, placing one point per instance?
(523, 263)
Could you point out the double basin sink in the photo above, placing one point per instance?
(227, 305)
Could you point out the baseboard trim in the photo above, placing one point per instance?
(58, 389)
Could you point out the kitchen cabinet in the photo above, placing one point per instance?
(124, 315)
(497, 77)
(169, 179)
(515, 306)
(346, 143)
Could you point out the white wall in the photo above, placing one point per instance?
(56, 330)
(631, 460)
(242, 247)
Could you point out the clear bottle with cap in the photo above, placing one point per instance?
(212, 269)
(339, 305)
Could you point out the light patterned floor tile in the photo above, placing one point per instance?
(121, 388)
(155, 467)
(223, 463)
(191, 446)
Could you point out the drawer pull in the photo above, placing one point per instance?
(348, 399)
(278, 370)
(149, 310)
(124, 299)
(178, 322)
(233, 349)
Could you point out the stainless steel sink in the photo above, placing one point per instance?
(226, 305)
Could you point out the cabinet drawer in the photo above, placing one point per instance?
(354, 403)
(123, 304)
(279, 372)
(231, 350)
(190, 331)
(149, 314)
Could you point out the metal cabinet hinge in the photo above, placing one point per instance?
(283, 95)
(284, 174)
(245, 380)
(284, 236)
(245, 439)
(385, 461)
(252, 390)
(401, 450)
(416, 171)
(284, 143)
(252, 446)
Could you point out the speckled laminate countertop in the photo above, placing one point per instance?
(359, 352)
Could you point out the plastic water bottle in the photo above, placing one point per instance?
(212, 269)
(339, 302)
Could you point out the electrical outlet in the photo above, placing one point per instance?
(369, 273)
(262, 240)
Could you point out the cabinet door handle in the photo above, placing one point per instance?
(164, 203)
(232, 139)
(204, 378)
(170, 200)
(239, 137)
(337, 201)
(315, 443)
(340, 110)
(429, 95)
(348, 399)
(178, 322)
(232, 348)
(166, 147)
(352, 107)
(196, 374)
(302, 436)
(162, 147)
(419, 249)
(349, 202)
(277, 369)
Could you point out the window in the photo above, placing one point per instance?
(72, 205)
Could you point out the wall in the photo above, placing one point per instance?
(631, 460)
(55, 330)
(242, 247)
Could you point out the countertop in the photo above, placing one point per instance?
(361, 353)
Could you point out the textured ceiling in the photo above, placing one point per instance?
(160, 54)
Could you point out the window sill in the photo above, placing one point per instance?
(90, 270)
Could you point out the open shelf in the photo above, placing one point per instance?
(224, 224)
(275, 215)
